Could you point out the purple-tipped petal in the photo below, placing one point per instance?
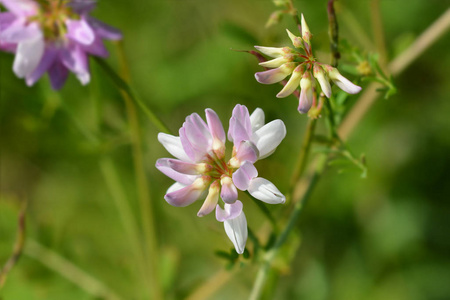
(342, 82)
(173, 146)
(23, 8)
(58, 75)
(237, 231)
(198, 134)
(257, 119)
(96, 48)
(240, 125)
(76, 60)
(103, 30)
(218, 133)
(186, 195)
(28, 55)
(211, 200)
(228, 193)
(246, 151)
(82, 6)
(264, 190)
(164, 165)
(230, 211)
(268, 137)
(275, 75)
(192, 153)
(46, 62)
(243, 175)
(80, 31)
(306, 94)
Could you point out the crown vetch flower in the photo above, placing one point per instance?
(53, 36)
(302, 68)
(202, 172)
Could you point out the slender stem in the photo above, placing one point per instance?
(123, 86)
(68, 270)
(300, 197)
(378, 32)
(333, 32)
(18, 246)
(146, 209)
(304, 151)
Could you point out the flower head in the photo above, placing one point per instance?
(302, 68)
(53, 36)
(202, 172)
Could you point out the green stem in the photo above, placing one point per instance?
(304, 151)
(147, 214)
(123, 86)
(300, 201)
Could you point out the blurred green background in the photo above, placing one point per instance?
(383, 237)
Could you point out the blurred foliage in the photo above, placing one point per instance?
(383, 237)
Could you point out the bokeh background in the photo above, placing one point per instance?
(382, 237)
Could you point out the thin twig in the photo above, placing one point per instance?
(18, 246)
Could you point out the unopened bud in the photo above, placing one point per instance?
(306, 34)
(296, 40)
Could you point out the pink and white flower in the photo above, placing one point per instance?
(302, 67)
(202, 172)
(53, 36)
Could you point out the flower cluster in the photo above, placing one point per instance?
(303, 68)
(201, 170)
(54, 36)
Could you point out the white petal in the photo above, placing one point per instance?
(173, 146)
(264, 190)
(257, 119)
(268, 137)
(292, 84)
(270, 51)
(274, 63)
(237, 232)
(346, 85)
(28, 55)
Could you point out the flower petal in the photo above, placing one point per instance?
(211, 200)
(268, 137)
(230, 211)
(343, 83)
(237, 231)
(186, 195)
(275, 75)
(306, 94)
(47, 60)
(164, 165)
(257, 119)
(198, 134)
(243, 175)
(228, 193)
(28, 55)
(271, 51)
(264, 190)
(80, 31)
(21, 7)
(76, 60)
(292, 84)
(240, 125)
(173, 146)
(274, 63)
(246, 151)
(319, 74)
(58, 74)
(103, 30)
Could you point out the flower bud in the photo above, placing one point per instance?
(275, 75)
(296, 40)
(306, 34)
(306, 93)
(342, 82)
(293, 82)
(319, 74)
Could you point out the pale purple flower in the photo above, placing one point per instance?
(302, 67)
(53, 36)
(202, 172)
